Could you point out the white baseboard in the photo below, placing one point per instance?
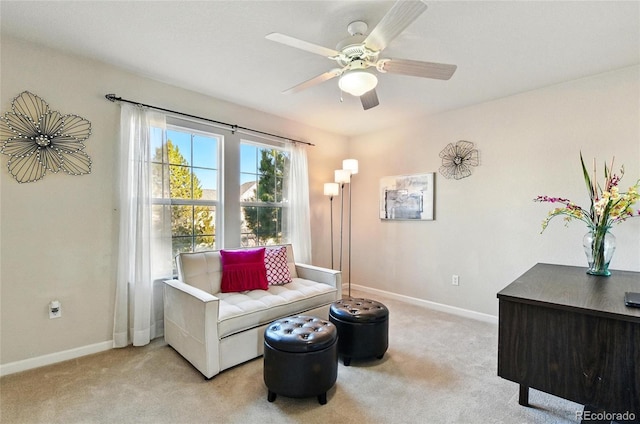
(431, 305)
(40, 361)
(65, 355)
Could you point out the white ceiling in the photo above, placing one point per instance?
(218, 48)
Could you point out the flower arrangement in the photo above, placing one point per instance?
(608, 206)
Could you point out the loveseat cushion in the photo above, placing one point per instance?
(241, 311)
(204, 269)
(275, 261)
(243, 270)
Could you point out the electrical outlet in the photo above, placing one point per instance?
(455, 281)
(55, 309)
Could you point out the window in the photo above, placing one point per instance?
(213, 188)
(263, 172)
(185, 187)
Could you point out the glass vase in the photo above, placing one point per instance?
(599, 245)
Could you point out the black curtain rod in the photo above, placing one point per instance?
(233, 127)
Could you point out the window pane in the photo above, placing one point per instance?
(157, 145)
(179, 147)
(205, 243)
(247, 236)
(248, 158)
(278, 194)
(265, 161)
(270, 222)
(265, 189)
(248, 172)
(204, 220)
(180, 180)
(205, 184)
(158, 220)
(183, 227)
(181, 221)
(262, 176)
(247, 178)
(261, 225)
(159, 188)
(163, 263)
(180, 245)
(248, 192)
(205, 152)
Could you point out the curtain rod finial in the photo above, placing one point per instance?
(112, 97)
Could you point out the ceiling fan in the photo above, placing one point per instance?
(359, 52)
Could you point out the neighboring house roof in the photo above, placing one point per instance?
(248, 191)
(209, 194)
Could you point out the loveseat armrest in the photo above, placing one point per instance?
(328, 276)
(191, 325)
(198, 294)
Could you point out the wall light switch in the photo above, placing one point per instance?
(55, 309)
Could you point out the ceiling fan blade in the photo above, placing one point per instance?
(418, 68)
(401, 14)
(369, 99)
(302, 45)
(313, 81)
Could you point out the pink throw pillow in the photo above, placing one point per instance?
(243, 270)
(275, 261)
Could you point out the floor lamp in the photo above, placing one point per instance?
(331, 189)
(342, 177)
(350, 166)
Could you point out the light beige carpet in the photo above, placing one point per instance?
(439, 368)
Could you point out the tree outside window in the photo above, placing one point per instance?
(263, 172)
(178, 190)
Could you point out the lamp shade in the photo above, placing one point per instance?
(350, 165)
(357, 82)
(342, 176)
(331, 189)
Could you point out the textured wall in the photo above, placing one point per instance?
(487, 227)
(59, 235)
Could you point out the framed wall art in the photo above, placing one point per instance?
(407, 197)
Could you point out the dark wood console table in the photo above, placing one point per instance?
(569, 334)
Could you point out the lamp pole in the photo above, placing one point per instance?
(342, 177)
(351, 166)
(331, 189)
(331, 224)
(349, 252)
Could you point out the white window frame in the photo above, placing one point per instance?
(229, 216)
(196, 128)
(282, 204)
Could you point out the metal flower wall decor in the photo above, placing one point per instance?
(457, 159)
(38, 139)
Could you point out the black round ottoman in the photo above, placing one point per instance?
(300, 357)
(363, 328)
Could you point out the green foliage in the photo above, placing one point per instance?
(265, 222)
(191, 226)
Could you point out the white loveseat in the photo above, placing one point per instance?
(215, 331)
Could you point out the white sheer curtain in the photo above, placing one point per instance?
(297, 224)
(135, 315)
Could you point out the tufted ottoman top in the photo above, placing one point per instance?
(300, 334)
(359, 310)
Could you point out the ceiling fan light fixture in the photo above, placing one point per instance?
(357, 82)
